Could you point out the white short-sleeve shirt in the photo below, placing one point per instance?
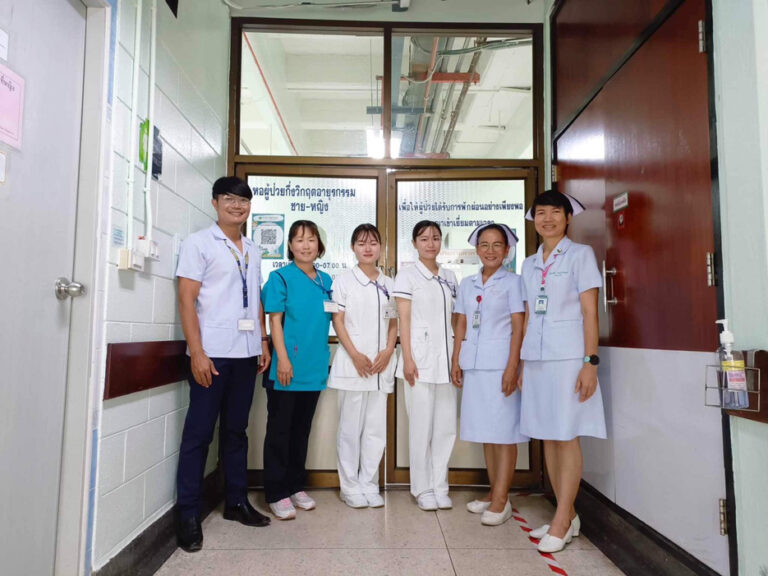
(486, 347)
(431, 299)
(558, 334)
(363, 303)
(205, 257)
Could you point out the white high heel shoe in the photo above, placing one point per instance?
(551, 544)
(543, 530)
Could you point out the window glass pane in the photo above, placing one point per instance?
(463, 96)
(336, 205)
(459, 206)
(311, 94)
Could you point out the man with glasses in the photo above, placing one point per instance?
(219, 273)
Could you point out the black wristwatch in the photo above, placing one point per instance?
(594, 359)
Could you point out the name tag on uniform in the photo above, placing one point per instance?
(390, 312)
(540, 307)
(476, 320)
(246, 324)
(330, 306)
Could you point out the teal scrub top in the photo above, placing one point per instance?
(305, 325)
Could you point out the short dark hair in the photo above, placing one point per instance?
(422, 225)
(231, 185)
(305, 225)
(552, 198)
(496, 227)
(365, 230)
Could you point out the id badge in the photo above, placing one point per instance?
(541, 304)
(246, 324)
(390, 312)
(330, 306)
(476, 320)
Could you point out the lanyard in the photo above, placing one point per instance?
(479, 300)
(447, 284)
(381, 287)
(318, 281)
(243, 275)
(546, 271)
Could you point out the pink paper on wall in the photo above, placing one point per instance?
(11, 107)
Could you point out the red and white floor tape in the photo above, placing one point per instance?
(553, 564)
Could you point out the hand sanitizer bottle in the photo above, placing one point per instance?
(733, 375)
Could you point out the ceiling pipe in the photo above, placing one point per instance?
(447, 101)
(419, 145)
(460, 100)
(271, 96)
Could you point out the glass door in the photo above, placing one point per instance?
(337, 199)
(459, 200)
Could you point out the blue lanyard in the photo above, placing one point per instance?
(381, 287)
(318, 281)
(243, 275)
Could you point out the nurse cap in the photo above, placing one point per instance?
(577, 206)
(511, 236)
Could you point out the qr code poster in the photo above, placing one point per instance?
(268, 233)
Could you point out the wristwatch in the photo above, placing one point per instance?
(594, 359)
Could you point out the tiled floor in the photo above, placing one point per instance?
(397, 539)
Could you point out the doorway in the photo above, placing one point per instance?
(340, 198)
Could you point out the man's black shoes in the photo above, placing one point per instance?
(189, 534)
(246, 514)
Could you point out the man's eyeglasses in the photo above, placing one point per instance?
(229, 200)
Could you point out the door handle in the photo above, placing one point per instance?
(608, 273)
(65, 289)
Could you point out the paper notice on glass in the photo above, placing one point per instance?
(11, 107)
(268, 232)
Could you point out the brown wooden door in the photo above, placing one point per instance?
(646, 135)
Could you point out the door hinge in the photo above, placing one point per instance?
(723, 517)
(702, 37)
(711, 277)
(555, 172)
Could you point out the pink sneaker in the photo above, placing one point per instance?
(303, 501)
(283, 509)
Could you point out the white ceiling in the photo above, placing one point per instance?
(319, 87)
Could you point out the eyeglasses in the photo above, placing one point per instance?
(488, 246)
(229, 200)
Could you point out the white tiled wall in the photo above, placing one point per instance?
(139, 434)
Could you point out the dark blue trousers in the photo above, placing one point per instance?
(229, 397)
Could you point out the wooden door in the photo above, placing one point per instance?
(646, 136)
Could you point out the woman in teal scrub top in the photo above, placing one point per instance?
(298, 300)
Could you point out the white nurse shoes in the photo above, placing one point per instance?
(302, 500)
(443, 501)
(550, 544)
(375, 500)
(479, 506)
(283, 509)
(355, 500)
(427, 501)
(542, 531)
(497, 518)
